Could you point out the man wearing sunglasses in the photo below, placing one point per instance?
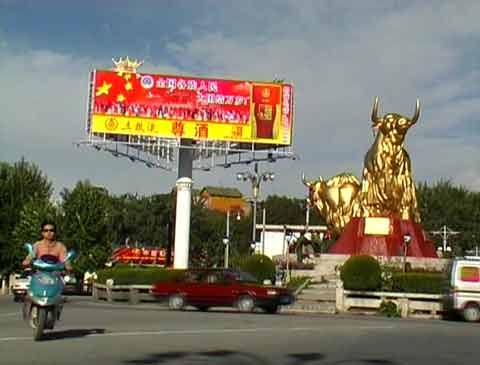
(49, 247)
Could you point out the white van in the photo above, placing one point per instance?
(464, 294)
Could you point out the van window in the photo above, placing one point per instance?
(470, 274)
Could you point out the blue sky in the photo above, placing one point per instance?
(338, 54)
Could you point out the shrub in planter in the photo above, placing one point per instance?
(361, 273)
(260, 266)
(414, 282)
(389, 309)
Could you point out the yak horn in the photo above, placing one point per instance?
(375, 110)
(305, 182)
(417, 112)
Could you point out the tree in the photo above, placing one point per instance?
(27, 228)
(284, 210)
(23, 187)
(140, 219)
(86, 215)
(453, 206)
(207, 230)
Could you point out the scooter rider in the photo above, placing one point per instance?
(48, 246)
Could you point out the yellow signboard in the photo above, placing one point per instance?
(377, 226)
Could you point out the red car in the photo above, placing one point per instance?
(220, 288)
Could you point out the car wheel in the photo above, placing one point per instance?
(176, 302)
(471, 312)
(245, 303)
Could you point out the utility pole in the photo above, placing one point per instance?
(445, 232)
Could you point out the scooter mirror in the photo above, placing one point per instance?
(29, 247)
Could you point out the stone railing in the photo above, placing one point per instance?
(409, 304)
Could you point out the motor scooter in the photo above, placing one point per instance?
(44, 302)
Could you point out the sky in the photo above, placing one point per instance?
(338, 55)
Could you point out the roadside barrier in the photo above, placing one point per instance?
(133, 294)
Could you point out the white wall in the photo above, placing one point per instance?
(273, 243)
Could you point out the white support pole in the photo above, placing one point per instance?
(183, 211)
(182, 224)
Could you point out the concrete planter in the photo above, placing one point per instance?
(132, 294)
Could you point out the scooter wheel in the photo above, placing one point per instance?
(39, 323)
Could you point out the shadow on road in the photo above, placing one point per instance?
(366, 361)
(207, 357)
(303, 358)
(238, 357)
(73, 333)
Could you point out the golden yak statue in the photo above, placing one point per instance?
(387, 187)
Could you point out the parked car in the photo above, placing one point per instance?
(204, 289)
(464, 292)
(20, 285)
(71, 284)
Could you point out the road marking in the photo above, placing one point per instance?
(200, 332)
(9, 314)
(6, 339)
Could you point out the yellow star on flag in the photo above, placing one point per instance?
(128, 86)
(127, 76)
(104, 89)
(121, 98)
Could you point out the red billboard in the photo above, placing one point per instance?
(190, 107)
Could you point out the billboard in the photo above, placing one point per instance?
(139, 104)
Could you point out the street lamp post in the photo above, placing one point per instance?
(406, 242)
(255, 178)
(226, 239)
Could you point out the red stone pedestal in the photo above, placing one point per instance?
(353, 241)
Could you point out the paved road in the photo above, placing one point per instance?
(91, 334)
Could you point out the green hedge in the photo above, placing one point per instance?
(361, 272)
(413, 282)
(260, 266)
(137, 276)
